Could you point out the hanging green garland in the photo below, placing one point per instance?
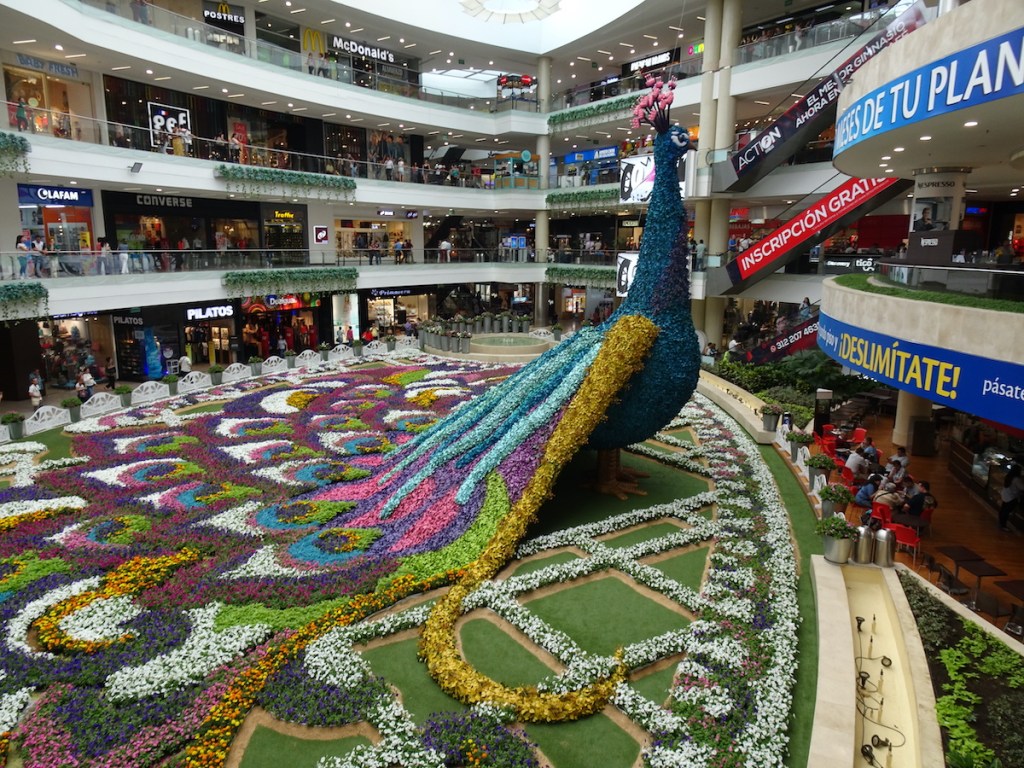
(14, 149)
(24, 299)
(598, 109)
(253, 179)
(591, 277)
(607, 194)
(273, 282)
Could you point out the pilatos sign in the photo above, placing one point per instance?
(207, 313)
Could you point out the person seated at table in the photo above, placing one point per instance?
(870, 451)
(858, 463)
(921, 500)
(901, 454)
(893, 498)
(866, 492)
(894, 477)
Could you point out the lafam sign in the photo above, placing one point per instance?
(983, 73)
(40, 195)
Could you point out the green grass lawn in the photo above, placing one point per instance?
(687, 567)
(603, 614)
(500, 656)
(270, 749)
(397, 663)
(594, 741)
(543, 562)
(575, 501)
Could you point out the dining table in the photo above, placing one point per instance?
(959, 555)
(980, 569)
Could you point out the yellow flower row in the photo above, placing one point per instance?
(7, 523)
(300, 399)
(622, 354)
(129, 578)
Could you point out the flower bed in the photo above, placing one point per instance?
(189, 567)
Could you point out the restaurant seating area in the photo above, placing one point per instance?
(957, 546)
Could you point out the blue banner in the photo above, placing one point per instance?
(983, 73)
(993, 389)
(40, 195)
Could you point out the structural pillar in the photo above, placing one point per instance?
(541, 237)
(909, 409)
(544, 83)
(714, 320)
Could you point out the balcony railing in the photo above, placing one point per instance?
(979, 280)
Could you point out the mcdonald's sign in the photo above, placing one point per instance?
(223, 16)
(313, 41)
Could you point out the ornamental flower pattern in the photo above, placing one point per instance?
(280, 502)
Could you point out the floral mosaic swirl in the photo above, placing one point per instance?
(187, 567)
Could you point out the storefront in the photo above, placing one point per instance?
(146, 341)
(292, 321)
(211, 333)
(61, 216)
(48, 97)
(392, 308)
(353, 238)
(284, 232)
(69, 343)
(223, 232)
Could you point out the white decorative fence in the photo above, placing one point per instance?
(340, 352)
(308, 359)
(236, 372)
(274, 364)
(149, 391)
(47, 417)
(100, 403)
(193, 381)
(5, 434)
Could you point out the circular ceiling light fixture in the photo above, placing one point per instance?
(510, 11)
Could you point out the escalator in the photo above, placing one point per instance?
(845, 204)
(443, 232)
(809, 116)
(794, 334)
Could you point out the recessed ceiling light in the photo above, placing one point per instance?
(433, 53)
(897, 149)
(382, 39)
(24, 42)
(298, 10)
(701, 18)
(606, 53)
(409, 45)
(582, 58)
(328, 114)
(926, 138)
(357, 29)
(267, 103)
(650, 37)
(223, 90)
(290, 104)
(328, 21)
(299, 109)
(58, 47)
(74, 56)
(888, 170)
(149, 71)
(235, 95)
(626, 45)
(763, 103)
(677, 29)
(118, 69)
(200, 87)
(970, 123)
(158, 79)
(883, 165)
(887, 157)
(348, 23)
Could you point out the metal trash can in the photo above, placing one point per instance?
(885, 548)
(864, 550)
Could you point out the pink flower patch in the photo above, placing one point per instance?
(440, 516)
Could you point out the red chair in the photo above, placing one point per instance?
(882, 512)
(858, 436)
(828, 445)
(827, 430)
(848, 476)
(906, 538)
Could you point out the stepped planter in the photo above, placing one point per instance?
(74, 406)
(172, 383)
(15, 423)
(323, 354)
(290, 359)
(446, 343)
(357, 350)
(488, 324)
(837, 537)
(216, 376)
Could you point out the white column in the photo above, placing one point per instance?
(909, 408)
(541, 237)
(709, 65)
(544, 83)
(543, 159)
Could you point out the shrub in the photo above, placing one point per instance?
(804, 438)
(170, 378)
(12, 418)
(216, 368)
(255, 359)
(836, 493)
(836, 527)
(821, 461)
(357, 343)
(124, 389)
(70, 402)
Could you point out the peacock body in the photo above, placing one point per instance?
(466, 489)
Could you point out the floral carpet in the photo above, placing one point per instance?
(185, 567)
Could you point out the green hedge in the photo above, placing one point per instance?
(884, 287)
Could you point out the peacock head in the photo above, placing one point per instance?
(676, 140)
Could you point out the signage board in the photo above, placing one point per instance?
(983, 73)
(625, 270)
(984, 387)
(844, 265)
(44, 195)
(321, 234)
(636, 178)
(230, 18)
(166, 119)
(51, 67)
(798, 338)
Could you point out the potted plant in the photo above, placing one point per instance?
(171, 380)
(74, 405)
(838, 537)
(357, 347)
(796, 439)
(216, 372)
(506, 319)
(770, 415)
(488, 318)
(256, 363)
(14, 422)
(446, 342)
(325, 349)
(556, 331)
(834, 498)
(289, 356)
(819, 463)
(125, 393)
(389, 342)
